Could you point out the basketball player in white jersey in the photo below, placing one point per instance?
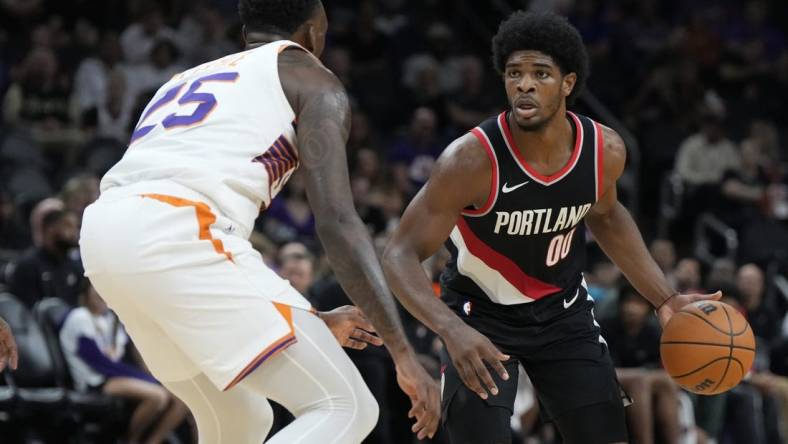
(166, 243)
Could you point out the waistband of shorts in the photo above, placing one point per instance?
(549, 307)
(174, 189)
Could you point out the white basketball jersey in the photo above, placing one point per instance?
(223, 129)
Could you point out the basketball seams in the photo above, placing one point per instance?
(741, 347)
(730, 350)
(726, 333)
(701, 367)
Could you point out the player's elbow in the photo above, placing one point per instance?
(392, 254)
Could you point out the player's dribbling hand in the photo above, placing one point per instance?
(424, 394)
(8, 353)
(350, 327)
(471, 352)
(676, 302)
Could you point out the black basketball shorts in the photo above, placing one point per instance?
(559, 345)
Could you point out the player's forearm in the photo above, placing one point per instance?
(414, 290)
(619, 237)
(355, 264)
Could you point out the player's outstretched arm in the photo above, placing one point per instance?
(323, 113)
(460, 178)
(619, 237)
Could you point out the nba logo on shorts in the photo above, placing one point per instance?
(466, 308)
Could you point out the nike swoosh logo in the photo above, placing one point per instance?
(507, 189)
(571, 301)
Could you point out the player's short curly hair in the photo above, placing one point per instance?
(547, 33)
(276, 16)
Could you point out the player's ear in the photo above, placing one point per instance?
(568, 84)
(312, 37)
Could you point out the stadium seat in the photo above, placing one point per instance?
(103, 410)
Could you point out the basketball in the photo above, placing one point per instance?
(707, 347)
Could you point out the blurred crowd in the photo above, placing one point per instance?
(701, 85)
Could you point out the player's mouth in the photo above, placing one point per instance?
(525, 108)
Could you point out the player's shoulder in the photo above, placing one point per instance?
(614, 152)
(305, 79)
(614, 143)
(466, 154)
(304, 70)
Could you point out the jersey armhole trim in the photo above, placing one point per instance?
(492, 196)
(599, 161)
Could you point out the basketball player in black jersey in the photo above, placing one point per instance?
(513, 198)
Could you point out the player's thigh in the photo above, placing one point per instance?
(314, 374)
(165, 360)
(233, 416)
(469, 419)
(601, 423)
(315, 367)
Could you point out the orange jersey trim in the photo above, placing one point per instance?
(205, 218)
(272, 350)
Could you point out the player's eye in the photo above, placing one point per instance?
(541, 75)
(513, 74)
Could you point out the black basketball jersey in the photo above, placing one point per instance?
(528, 241)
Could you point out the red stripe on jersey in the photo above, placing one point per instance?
(521, 160)
(527, 285)
(600, 156)
(493, 194)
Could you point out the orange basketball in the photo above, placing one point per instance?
(707, 347)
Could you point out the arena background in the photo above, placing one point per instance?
(697, 88)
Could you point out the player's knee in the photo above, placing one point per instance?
(160, 398)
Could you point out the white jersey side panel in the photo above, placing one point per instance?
(223, 129)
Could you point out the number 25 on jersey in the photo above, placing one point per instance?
(206, 102)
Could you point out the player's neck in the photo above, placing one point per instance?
(256, 39)
(542, 144)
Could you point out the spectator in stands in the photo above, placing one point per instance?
(40, 101)
(79, 192)
(297, 265)
(688, 276)
(8, 352)
(94, 342)
(160, 66)
(139, 38)
(704, 157)
(91, 80)
(52, 269)
(701, 162)
(414, 154)
(722, 275)
(743, 188)
(472, 103)
(633, 340)
(37, 217)
(764, 320)
(13, 234)
(289, 217)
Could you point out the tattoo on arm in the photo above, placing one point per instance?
(323, 127)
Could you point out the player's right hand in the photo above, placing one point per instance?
(424, 394)
(8, 353)
(471, 352)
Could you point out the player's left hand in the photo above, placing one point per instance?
(675, 303)
(350, 327)
(424, 393)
